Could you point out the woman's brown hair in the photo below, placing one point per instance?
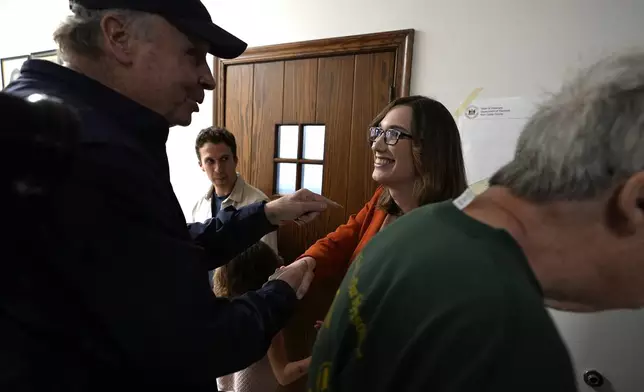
(247, 271)
(436, 149)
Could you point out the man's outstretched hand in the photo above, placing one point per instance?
(302, 207)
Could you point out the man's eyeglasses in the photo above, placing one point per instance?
(392, 135)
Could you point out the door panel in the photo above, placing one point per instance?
(300, 79)
(267, 112)
(334, 108)
(239, 112)
(374, 78)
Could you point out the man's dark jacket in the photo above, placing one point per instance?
(120, 297)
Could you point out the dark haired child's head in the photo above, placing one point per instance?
(248, 271)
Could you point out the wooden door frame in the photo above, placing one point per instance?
(400, 41)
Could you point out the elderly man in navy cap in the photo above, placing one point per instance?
(122, 298)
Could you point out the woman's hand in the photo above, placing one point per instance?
(298, 274)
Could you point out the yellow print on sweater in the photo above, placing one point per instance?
(355, 298)
(322, 381)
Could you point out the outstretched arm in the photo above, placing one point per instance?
(231, 232)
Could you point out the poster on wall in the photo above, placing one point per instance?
(489, 130)
(10, 68)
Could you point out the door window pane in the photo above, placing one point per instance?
(312, 178)
(314, 142)
(286, 176)
(287, 141)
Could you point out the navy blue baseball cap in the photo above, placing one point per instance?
(189, 16)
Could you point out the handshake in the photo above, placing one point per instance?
(302, 207)
(299, 275)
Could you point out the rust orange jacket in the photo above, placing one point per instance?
(335, 252)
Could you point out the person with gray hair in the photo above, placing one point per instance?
(128, 302)
(451, 296)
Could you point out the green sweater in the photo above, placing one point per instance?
(440, 302)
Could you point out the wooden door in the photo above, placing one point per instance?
(277, 99)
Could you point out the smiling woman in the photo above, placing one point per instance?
(391, 142)
(417, 160)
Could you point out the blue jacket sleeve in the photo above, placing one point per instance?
(230, 232)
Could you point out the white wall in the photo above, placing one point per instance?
(508, 47)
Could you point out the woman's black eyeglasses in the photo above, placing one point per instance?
(392, 135)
